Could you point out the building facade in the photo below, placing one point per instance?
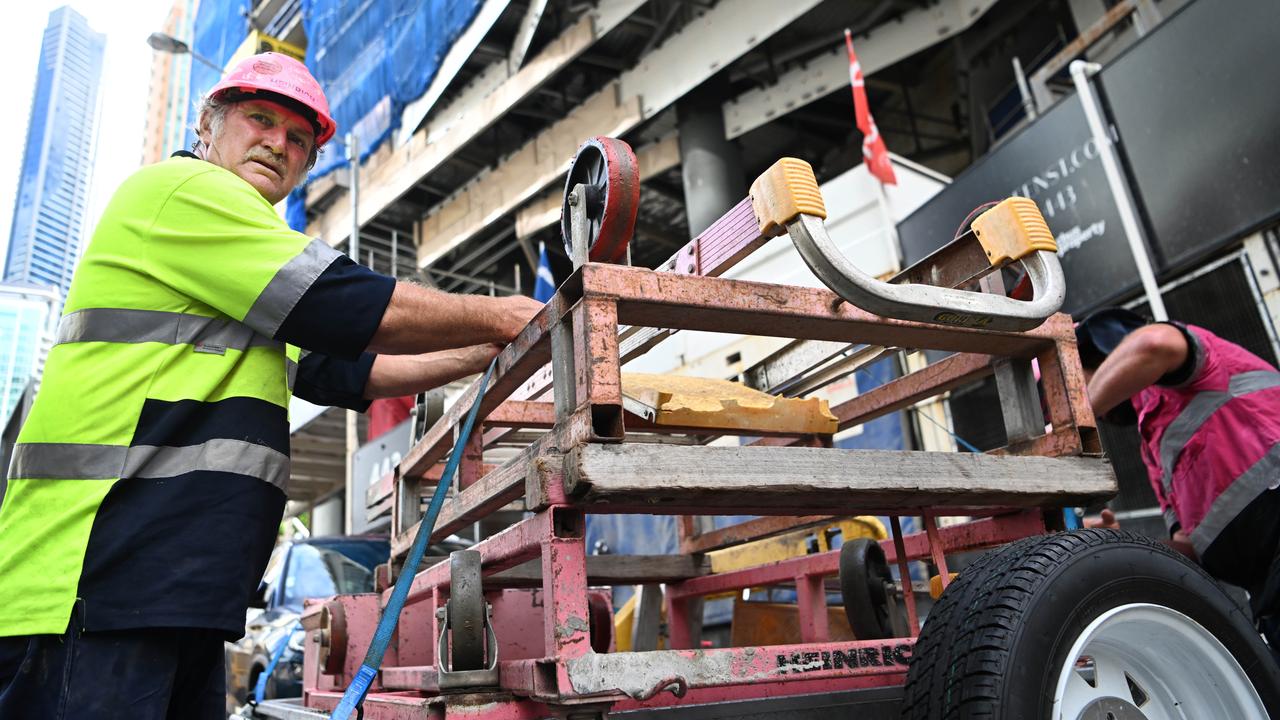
(53, 190)
(167, 106)
(28, 316)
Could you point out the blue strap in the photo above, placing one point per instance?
(1071, 519)
(353, 697)
(260, 688)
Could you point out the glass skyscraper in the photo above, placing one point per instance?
(27, 322)
(53, 190)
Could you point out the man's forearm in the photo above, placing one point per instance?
(420, 320)
(400, 375)
(1145, 356)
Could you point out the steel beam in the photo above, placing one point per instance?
(879, 48)
(685, 60)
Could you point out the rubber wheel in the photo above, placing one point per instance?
(608, 168)
(863, 574)
(466, 611)
(997, 643)
(600, 623)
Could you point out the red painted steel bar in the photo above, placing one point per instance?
(904, 576)
(811, 601)
(739, 693)
(515, 545)
(754, 308)
(641, 675)
(972, 535)
(566, 617)
(936, 548)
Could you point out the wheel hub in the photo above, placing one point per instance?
(1150, 662)
(606, 167)
(1112, 709)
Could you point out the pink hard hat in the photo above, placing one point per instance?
(285, 76)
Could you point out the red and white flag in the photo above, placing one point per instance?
(874, 153)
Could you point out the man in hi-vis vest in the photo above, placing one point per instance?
(148, 483)
(1208, 412)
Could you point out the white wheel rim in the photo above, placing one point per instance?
(1150, 662)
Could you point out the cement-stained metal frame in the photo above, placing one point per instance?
(599, 317)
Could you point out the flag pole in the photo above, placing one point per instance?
(895, 247)
(1080, 72)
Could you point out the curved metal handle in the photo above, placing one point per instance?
(928, 303)
(786, 198)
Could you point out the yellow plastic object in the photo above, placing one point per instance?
(935, 585)
(1013, 230)
(782, 192)
(795, 543)
(624, 619)
(684, 401)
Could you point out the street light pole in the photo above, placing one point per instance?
(160, 42)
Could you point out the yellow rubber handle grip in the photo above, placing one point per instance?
(784, 191)
(1013, 230)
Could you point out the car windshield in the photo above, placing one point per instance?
(320, 572)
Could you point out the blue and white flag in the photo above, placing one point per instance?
(544, 285)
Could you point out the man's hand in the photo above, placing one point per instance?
(1106, 519)
(516, 312)
(1182, 543)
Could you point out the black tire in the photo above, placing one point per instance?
(995, 642)
(863, 574)
(466, 611)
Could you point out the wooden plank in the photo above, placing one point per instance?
(756, 529)
(611, 570)
(793, 480)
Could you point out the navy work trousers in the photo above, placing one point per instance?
(142, 674)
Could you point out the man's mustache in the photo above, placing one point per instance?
(269, 159)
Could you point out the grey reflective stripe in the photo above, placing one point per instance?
(1197, 413)
(73, 461)
(67, 461)
(1170, 519)
(291, 370)
(121, 325)
(286, 288)
(220, 455)
(1243, 490)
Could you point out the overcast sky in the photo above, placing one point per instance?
(125, 76)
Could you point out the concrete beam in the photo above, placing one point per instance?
(684, 61)
(884, 45)
(459, 52)
(393, 171)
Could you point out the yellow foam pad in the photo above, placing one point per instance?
(784, 191)
(683, 401)
(1013, 230)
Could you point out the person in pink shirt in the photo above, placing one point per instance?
(1208, 414)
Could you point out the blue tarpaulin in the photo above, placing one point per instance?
(372, 57)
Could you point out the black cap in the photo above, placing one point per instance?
(1101, 332)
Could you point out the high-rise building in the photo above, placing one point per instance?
(167, 101)
(28, 316)
(57, 165)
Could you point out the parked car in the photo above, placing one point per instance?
(300, 570)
